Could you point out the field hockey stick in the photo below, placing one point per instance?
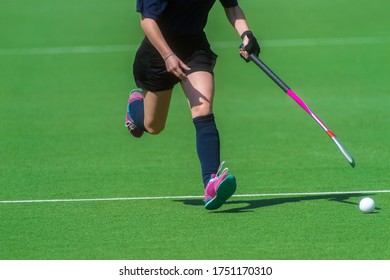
(300, 102)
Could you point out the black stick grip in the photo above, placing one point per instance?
(269, 72)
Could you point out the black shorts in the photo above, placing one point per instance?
(149, 68)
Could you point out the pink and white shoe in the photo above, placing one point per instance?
(220, 188)
(135, 94)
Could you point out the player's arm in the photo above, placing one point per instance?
(238, 20)
(172, 62)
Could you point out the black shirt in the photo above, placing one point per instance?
(180, 17)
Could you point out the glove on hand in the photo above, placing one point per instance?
(252, 47)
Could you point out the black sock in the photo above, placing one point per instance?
(137, 113)
(207, 145)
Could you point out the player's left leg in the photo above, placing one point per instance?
(199, 90)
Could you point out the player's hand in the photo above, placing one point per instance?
(176, 66)
(249, 45)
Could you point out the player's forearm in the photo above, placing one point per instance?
(237, 18)
(153, 32)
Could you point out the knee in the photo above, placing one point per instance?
(154, 129)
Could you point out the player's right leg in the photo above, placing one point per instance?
(156, 106)
(147, 111)
(148, 108)
(135, 113)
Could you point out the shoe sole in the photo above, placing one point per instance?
(225, 190)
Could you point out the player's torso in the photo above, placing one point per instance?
(186, 16)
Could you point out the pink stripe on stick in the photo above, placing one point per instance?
(298, 100)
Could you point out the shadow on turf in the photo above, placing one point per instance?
(250, 205)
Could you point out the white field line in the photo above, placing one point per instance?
(304, 42)
(189, 197)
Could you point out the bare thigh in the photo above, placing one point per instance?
(199, 90)
(156, 107)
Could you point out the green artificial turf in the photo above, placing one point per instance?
(65, 74)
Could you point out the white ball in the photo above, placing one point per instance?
(367, 205)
